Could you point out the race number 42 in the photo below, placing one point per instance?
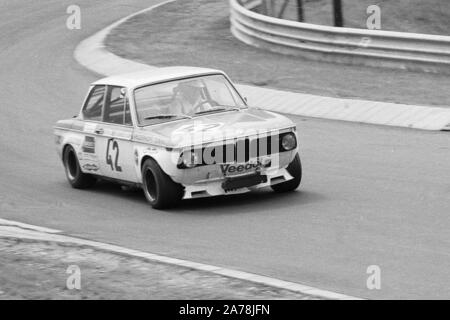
(112, 155)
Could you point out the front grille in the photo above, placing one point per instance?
(242, 150)
(239, 151)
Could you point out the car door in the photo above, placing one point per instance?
(92, 115)
(115, 148)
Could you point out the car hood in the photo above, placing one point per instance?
(213, 127)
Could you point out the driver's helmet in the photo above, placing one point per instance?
(190, 89)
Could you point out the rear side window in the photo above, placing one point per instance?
(117, 109)
(92, 110)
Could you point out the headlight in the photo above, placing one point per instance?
(188, 159)
(288, 141)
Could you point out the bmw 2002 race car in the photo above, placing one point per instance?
(177, 133)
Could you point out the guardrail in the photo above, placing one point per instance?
(377, 48)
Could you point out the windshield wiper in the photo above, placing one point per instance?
(167, 116)
(218, 109)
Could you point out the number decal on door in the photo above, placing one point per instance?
(111, 147)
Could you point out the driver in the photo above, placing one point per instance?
(189, 98)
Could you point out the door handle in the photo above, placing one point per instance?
(99, 131)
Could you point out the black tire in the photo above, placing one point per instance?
(76, 177)
(295, 170)
(159, 189)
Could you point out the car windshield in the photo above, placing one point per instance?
(186, 98)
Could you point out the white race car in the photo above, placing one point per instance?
(177, 133)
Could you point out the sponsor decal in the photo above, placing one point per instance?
(241, 168)
(90, 167)
(87, 157)
(88, 145)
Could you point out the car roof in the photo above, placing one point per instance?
(136, 79)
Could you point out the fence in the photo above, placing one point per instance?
(346, 45)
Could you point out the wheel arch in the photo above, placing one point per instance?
(145, 158)
(64, 148)
(165, 159)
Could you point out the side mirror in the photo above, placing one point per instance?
(245, 99)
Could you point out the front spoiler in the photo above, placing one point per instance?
(214, 187)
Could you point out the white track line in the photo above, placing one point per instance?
(4, 222)
(14, 230)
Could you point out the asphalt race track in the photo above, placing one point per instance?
(371, 195)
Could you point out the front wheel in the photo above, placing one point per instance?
(159, 189)
(295, 170)
(76, 177)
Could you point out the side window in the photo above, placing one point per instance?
(92, 110)
(117, 109)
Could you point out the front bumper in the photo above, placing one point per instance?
(218, 186)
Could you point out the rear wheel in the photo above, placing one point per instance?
(295, 170)
(159, 189)
(76, 177)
